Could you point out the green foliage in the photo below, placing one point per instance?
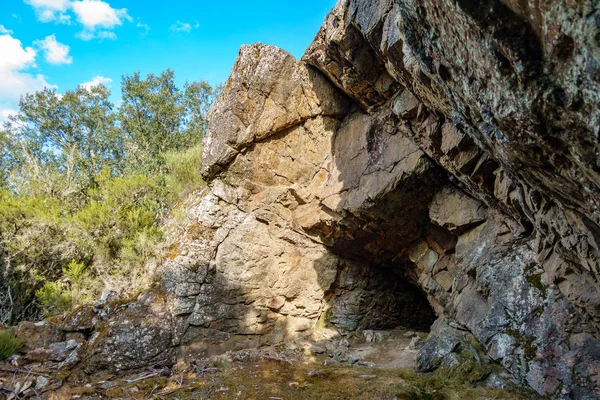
(9, 344)
(53, 298)
(73, 135)
(75, 271)
(84, 187)
(183, 170)
(157, 117)
(536, 281)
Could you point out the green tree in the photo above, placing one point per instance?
(151, 117)
(74, 135)
(157, 117)
(84, 187)
(198, 98)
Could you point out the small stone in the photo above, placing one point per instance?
(367, 376)
(454, 210)
(276, 303)
(316, 349)
(406, 105)
(415, 343)
(41, 382)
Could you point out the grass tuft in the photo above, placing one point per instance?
(9, 344)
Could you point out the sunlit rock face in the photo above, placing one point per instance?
(425, 159)
(278, 239)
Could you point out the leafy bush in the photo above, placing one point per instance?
(9, 344)
(84, 186)
(184, 170)
(53, 298)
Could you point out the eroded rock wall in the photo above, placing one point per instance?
(269, 247)
(426, 159)
(504, 97)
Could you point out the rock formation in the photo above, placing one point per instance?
(449, 148)
(425, 160)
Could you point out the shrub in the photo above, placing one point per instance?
(53, 298)
(85, 185)
(184, 170)
(9, 344)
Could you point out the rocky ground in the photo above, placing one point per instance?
(374, 365)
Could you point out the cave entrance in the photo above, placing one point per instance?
(377, 297)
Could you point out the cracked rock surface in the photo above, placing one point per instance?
(437, 159)
(447, 147)
(427, 164)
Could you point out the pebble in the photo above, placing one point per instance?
(41, 382)
(367, 376)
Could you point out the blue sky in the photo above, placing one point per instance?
(65, 43)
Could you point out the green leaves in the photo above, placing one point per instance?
(84, 186)
(9, 344)
(156, 117)
(53, 298)
(74, 135)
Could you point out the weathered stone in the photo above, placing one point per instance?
(351, 63)
(37, 335)
(443, 160)
(416, 343)
(444, 346)
(454, 210)
(445, 279)
(41, 382)
(82, 319)
(135, 336)
(268, 91)
(406, 105)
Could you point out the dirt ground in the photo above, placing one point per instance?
(377, 365)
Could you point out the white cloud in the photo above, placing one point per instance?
(181, 27)
(55, 52)
(96, 13)
(89, 35)
(145, 27)
(96, 16)
(15, 60)
(97, 80)
(51, 10)
(3, 30)
(15, 57)
(59, 5)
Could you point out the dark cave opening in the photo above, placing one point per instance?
(378, 297)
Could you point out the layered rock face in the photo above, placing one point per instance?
(267, 251)
(425, 160)
(503, 95)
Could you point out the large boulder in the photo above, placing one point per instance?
(133, 334)
(268, 91)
